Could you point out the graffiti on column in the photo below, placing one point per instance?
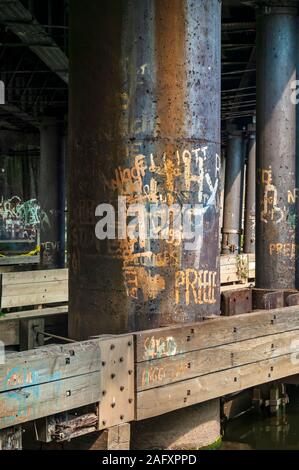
(274, 211)
(152, 182)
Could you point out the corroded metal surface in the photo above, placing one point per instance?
(144, 124)
(276, 248)
(49, 193)
(249, 222)
(231, 230)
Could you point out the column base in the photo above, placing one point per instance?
(190, 428)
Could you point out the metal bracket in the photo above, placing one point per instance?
(117, 403)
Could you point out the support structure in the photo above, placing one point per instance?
(249, 222)
(276, 139)
(153, 141)
(147, 137)
(50, 190)
(297, 154)
(232, 215)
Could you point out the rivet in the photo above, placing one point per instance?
(235, 379)
(130, 372)
(67, 360)
(129, 343)
(103, 363)
(112, 346)
(188, 392)
(235, 329)
(104, 393)
(112, 405)
(112, 376)
(130, 400)
(121, 359)
(103, 423)
(121, 417)
(121, 388)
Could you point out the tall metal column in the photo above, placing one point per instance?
(296, 100)
(232, 214)
(144, 125)
(249, 223)
(275, 147)
(49, 192)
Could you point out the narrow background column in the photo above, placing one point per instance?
(249, 223)
(49, 192)
(233, 196)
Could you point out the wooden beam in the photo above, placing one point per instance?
(37, 401)
(163, 342)
(160, 372)
(162, 400)
(49, 364)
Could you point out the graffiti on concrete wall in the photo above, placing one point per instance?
(20, 219)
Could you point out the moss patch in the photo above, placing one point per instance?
(214, 446)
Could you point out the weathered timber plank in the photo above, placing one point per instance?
(231, 277)
(229, 269)
(159, 372)
(37, 401)
(35, 299)
(43, 312)
(162, 342)
(232, 259)
(34, 276)
(17, 260)
(14, 290)
(162, 400)
(49, 364)
(239, 285)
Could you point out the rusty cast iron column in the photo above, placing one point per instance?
(144, 125)
(249, 223)
(49, 192)
(296, 100)
(275, 146)
(232, 214)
